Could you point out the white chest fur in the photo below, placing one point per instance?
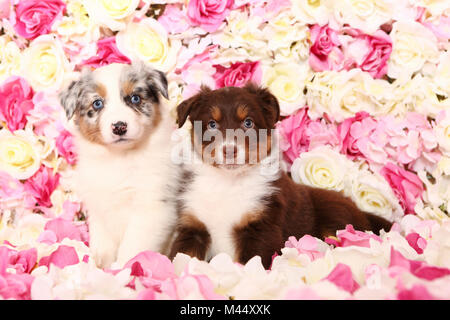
(221, 198)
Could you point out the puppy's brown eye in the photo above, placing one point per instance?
(248, 123)
(212, 125)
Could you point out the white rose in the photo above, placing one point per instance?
(435, 7)
(343, 94)
(287, 82)
(241, 31)
(373, 194)
(19, 153)
(369, 15)
(44, 64)
(312, 11)
(322, 167)
(413, 46)
(111, 13)
(10, 58)
(148, 41)
(283, 31)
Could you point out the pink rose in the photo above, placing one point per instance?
(107, 53)
(292, 130)
(370, 53)
(36, 17)
(15, 102)
(66, 147)
(406, 185)
(238, 74)
(174, 19)
(41, 186)
(325, 53)
(208, 14)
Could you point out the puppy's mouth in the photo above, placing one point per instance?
(121, 141)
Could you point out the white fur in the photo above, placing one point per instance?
(221, 198)
(123, 190)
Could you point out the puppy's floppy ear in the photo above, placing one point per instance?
(68, 99)
(269, 103)
(156, 78)
(185, 107)
(160, 82)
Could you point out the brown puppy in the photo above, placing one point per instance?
(237, 200)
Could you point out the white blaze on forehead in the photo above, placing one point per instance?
(115, 108)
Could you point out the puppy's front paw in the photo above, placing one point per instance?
(103, 252)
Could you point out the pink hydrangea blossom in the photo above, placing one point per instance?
(15, 102)
(12, 191)
(41, 186)
(208, 14)
(325, 53)
(5, 8)
(35, 17)
(66, 147)
(107, 53)
(406, 185)
(238, 74)
(174, 19)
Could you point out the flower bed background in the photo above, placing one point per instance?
(364, 91)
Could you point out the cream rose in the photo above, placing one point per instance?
(312, 11)
(148, 41)
(242, 31)
(111, 13)
(342, 94)
(44, 64)
(322, 167)
(19, 154)
(372, 194)
(287, 82)
(10, 58)
(413, 46)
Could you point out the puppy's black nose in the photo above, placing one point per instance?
(119, 128)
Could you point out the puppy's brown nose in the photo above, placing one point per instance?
(119, 128)
(230, 151)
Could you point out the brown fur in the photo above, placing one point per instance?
(292, 210)
(193, 238)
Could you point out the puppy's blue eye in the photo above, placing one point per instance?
(97, 104)
(135, 99)
(212, 125)
(248, 123)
